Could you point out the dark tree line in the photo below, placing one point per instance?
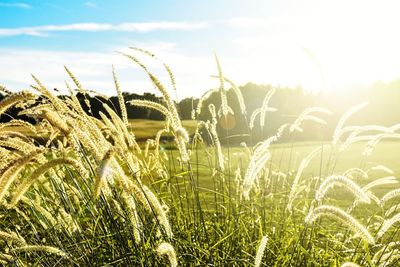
(384, 109)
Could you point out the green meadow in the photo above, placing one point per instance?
(80, 188)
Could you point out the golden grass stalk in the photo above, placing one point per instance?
(203, 98)
(166, 67)
(151, 105)
(170, 103)
(374, 142)
(20, 123)
(182, 136)
(390, 195)
(38, 248)
(304, 163)
(334, 180)
(149, 142)
(253, 117)
(130, 139)
(387, 224)
(157, 141)
(42, 211)
(359, 172)
(342, 216)
(81, 90)
(145, 196)
(167, 249)
(237, 92)
(356, 130)
(257, 163)
(6, 258)
(55, 120)
(352, 139)
(224, 109)
(181, 145)
(13, 238)
(67, 221)
(381, 181)
(8, 176)
(337, 133)
(14, 98)
(391, 210)
(305, 116)
(95, 127)
(358, 201)
(260, 251)
(74, 103)
(381, 168)
(386, 255)
(39, 172)
(121, 101)
(18, 145)
(76, 81)
(158, 209)
(8, 134)
(224, 100)
(132, 215)
(350, 264)
(265, 107)
(140, 196)
(173, 112)
(215, 139)
(115, 132)
(5, 90)
(88, 143)
(57, 103)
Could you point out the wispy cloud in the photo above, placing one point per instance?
(246, 22)
(97, 27)
(93, 69)
(15, 4)
(90, 4)
(262, 23)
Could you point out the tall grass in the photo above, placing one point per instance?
(84, 192)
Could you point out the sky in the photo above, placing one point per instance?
(315, 44)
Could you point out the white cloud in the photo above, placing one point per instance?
(90, 4)
(97, 27)
(257, 23)
(353, 49)
(93, 69)
(254, 59)
(15, 4)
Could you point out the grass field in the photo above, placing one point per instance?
(79, 191)
(287, 157)
(208, 191)
(145, 129)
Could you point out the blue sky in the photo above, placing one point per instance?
(279, 42)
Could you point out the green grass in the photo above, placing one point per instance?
(145, 129)
(287, 157)
(108, 199)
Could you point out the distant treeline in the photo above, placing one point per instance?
(383, 109)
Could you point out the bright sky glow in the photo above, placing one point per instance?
(313, 44)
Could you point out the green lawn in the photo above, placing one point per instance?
(287, 157)
(144, 129)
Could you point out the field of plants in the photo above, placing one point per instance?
(76, 190)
